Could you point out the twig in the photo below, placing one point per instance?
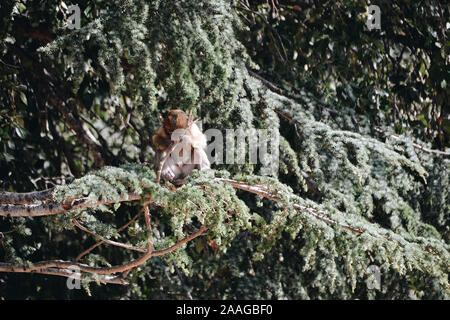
(149, 228)
(114, 243)
(180, 243)
(277, 224)
(81, 255)
(9, 65)
(58, 97)
(415, 145)
(285, 93)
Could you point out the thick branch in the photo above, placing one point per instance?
(74, 275)
(60, 264)
(319, 214)
(25, 198)
(52, 208)
(272, 87)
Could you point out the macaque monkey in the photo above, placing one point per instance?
(179, 148)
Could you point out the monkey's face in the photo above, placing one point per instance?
(175, 119)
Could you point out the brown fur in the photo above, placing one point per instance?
(177, 172)
(176, 119)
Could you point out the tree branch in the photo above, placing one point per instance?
(60, 264)
(81, 255)
(415, 145)
(52, 208)
(25, 198)
(319, 214)
(272, 87)
(69, 274)
(111, 242)
(180, 243)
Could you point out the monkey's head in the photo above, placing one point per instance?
(175, 119)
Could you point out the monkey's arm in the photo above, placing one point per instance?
(161, 140)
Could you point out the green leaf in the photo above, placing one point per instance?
(23, 98)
